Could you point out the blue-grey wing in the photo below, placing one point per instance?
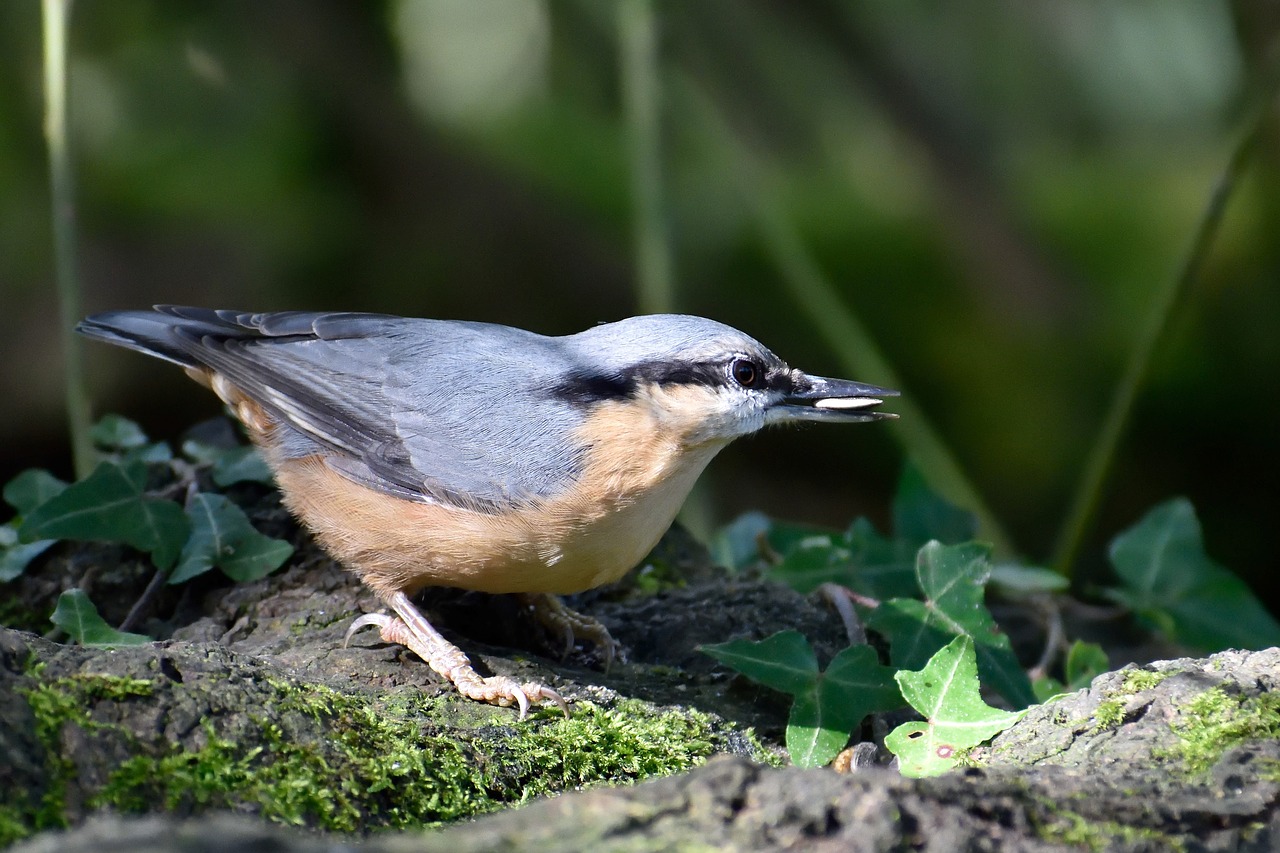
(427, 410)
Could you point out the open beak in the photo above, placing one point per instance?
(815, 398)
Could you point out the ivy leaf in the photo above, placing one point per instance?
(885, 568)
(737, 544)
(784, 662)
(812, 561)
(222, 536)
(828, 705)
(157, 451)
(127, 442)
(1170, 580)
(1017, 581)
(230, 465)
(243, 464)
(76, 615)
(864, 560)
(113, 432)
(31, 488)
(946, 694)
(920, 515)
(1084, 663)
(111, 504)
(835, 703)
(16, 556)
(861, 559)
(952, 578)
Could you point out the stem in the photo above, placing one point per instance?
(839, 326)
(637, 36)
(1088, 495)
(62, 193)
(858, 353)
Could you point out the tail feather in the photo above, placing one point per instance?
(170, 331)
(149, 332)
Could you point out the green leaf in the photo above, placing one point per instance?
(113, 432)
(1047, 689)
(946, 694)
(812, 561)
(1013, 580)
(920, 515)
(861, 559)
(1170, 580)
(737, 544)
(784, 536)
(1161, 558)
(853, 685)
(230, 465)
(243, 464)
(158, 451)
(222, 536)
(784, 662)
(885, 568)
(111, 504)
(31, 488)
(828, 705)
(1085, 662)
(76, 615)
(16, 556)
(952, 578)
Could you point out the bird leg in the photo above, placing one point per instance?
(570, 624)
(410, 628)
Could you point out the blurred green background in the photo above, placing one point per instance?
(995, 190)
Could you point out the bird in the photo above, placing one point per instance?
(423, 452)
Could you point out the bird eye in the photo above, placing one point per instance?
(745, 372)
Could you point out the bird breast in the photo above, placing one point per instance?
(638, 469)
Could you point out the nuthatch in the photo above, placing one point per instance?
(447, 453)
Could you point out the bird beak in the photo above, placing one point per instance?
(816, 398)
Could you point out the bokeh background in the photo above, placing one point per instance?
(995, 190)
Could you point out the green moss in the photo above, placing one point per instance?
(1075, 830)
(353, 762)
(55, 705)
(1138, 680)
(1111, 711)
(381, 770)
(14, 824)
(1109, 715)
(1217, 720)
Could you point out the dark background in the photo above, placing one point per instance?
(997, 190)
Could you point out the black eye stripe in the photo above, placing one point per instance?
(589, 387)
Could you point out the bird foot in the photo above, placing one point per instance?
(571, 625)
(416, 633)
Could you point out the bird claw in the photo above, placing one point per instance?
(572, 625)
(449, 661)
(504, 691)
(380, 619)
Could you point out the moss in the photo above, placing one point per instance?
(14, 823)
(1069, 828)
(381, 770)
(354, 762)
(1111, 711)
(54, 705)
(1138, 680)
(1216, 720)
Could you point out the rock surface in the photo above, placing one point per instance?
(252, 709)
